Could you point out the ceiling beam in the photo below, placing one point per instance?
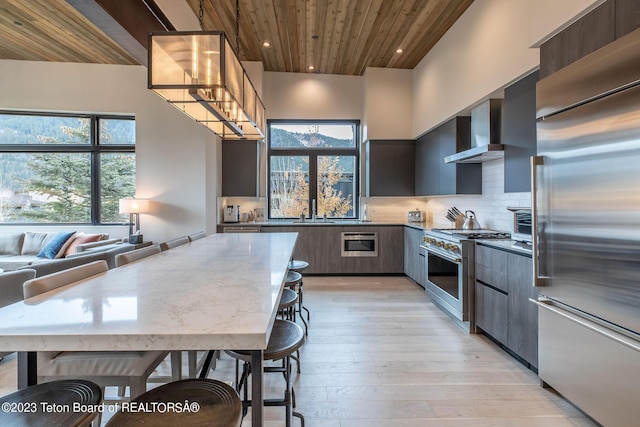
(128, 23)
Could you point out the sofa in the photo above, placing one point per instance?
(34, 248)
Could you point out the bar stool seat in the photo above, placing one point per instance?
(288, 300)
(212, 403)
(62, 394)
(298, 265)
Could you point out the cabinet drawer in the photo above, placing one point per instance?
(491, 312)
(491, 267)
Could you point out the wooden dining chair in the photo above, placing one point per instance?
(170, 244)
(197, 236)
(135, 255)
(105, 368)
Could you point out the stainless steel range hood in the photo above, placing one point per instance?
(485, 135)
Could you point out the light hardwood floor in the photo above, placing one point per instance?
(379, 354)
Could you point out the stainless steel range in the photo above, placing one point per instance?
(450, 270)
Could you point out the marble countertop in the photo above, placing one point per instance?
(509, 245)
(220, 292)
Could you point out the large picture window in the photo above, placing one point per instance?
(65, 168)
(313, 168)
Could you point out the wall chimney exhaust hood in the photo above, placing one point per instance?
(485, 135)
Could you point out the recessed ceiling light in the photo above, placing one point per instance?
(311, 67)
(399, 50)
(266, 44)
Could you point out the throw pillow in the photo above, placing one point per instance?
(51, 249)
(79, 240)
(66, 244)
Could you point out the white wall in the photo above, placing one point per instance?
(312, 96)
(488, 48)
(387, 104)
(173, 153)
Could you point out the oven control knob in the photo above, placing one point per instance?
(439, 244)
(454, 248)
(449, 246)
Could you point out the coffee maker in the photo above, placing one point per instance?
(232, 213)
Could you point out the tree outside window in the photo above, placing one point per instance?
(53, 169)
(313, 164)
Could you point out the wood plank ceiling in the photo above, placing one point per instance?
(333, 36)
(53, 30)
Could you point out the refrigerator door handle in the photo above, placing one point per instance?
(592, 326)
(538, 280)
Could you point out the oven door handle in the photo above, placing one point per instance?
(442, 254)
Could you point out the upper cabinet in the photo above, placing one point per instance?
(608, 22)
(433, 176)
(390, 167)
(240, 168)
(519, 133)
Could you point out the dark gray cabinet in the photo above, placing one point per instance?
(502, 307)
(414, 256)
(593, 31)
(240, 168)
(519, 133)
(608, 22)
(390, 167)
(320, 246)
(627, 16)
(433, 176)
(523, 314)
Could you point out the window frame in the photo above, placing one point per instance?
(94, 148)
(313, 154)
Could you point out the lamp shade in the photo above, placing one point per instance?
(133, 205)
(199, 73)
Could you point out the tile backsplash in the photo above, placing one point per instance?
(490, 207)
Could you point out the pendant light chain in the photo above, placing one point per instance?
(238, 28)
(201, 15)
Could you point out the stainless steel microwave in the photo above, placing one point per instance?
(356, 244)
(522, 228)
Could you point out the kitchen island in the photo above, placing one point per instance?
(220, 292)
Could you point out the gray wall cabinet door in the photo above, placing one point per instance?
(519, 133)
(240, 168)
(391, 166)
(434, 176)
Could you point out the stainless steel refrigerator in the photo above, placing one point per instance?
(586, 219)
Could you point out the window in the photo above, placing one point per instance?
(313, 165)
(65, 168)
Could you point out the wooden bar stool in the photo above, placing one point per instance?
(212, 403)
(286, 338)
(62, 394)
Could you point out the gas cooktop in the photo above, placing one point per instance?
(483, 233)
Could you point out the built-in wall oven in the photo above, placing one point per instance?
(359, 244)
(450, 270)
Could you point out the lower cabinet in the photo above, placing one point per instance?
(414, 256)
(502, 307)
(492, 311)
(321, 246)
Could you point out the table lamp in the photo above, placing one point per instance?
(134, 207)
